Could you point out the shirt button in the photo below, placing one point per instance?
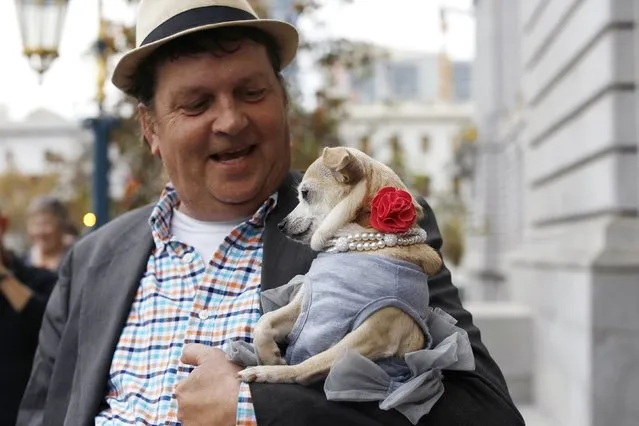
(203, 314)
(188, 257)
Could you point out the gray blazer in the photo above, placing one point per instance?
(93, 296)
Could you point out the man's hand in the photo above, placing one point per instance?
(209, 395)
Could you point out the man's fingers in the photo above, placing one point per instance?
(195, 353)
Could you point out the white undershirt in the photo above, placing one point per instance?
(205, 237)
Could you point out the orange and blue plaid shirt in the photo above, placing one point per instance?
(183, 299)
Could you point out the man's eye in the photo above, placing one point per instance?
(195, 108)
(254, 95)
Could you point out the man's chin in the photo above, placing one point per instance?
(240, 195)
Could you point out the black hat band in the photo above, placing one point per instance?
(197, 17)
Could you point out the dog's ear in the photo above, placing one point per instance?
(344, 166)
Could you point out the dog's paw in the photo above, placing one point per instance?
(319, 240)
(268, 374)
(266, 348)
(273, 357)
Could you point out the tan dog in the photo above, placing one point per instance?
(334, 200)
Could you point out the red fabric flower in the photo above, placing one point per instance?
(392, 211)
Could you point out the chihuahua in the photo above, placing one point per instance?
(334, 216)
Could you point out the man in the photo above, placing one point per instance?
(23, 297)
(133, 331)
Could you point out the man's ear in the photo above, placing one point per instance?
(148, 126)
(344, 166)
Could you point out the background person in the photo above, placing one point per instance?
(47, 228)
(24, 292)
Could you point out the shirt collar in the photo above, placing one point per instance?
(162, 214)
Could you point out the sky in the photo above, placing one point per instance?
(69, 87)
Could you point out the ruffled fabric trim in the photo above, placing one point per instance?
(413, 385)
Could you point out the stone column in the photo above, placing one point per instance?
(578, 265)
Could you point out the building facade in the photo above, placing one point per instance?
(556, 190)
(395, 114)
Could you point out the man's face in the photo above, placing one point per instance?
(220, 126)
(45, 231)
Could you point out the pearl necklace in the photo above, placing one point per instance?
(367, 241)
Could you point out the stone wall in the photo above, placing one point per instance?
(574, 259)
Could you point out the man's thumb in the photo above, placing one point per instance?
(194, 354)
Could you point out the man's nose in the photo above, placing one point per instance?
(230, 120)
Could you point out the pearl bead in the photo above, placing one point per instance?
(360, 246)
(390, 240)
(379, 236)
(357, 237)
(341, 244)
(349, 237)
(367, 246)
(380, 244)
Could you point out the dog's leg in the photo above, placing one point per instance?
(388, 332)
(273, 327)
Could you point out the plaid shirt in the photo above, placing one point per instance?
(183, 299)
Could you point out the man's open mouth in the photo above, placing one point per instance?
(232, 155)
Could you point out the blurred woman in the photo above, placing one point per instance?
(47, 224)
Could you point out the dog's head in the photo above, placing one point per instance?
(337, 190)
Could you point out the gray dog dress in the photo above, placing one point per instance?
(342, 290)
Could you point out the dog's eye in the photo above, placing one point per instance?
(304, 193)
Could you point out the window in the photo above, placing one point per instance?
(402, 81)
(425, 141)
(363, 88)
(462, 81)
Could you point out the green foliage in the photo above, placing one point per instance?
(18, 189)
(421, 185)
(451, 215)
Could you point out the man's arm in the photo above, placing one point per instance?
(53, 323)
(476, 398)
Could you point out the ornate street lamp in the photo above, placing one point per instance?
(41, 23)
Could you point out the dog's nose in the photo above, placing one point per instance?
(281, 225)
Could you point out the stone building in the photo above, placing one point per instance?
(398, 102)
(555, 212)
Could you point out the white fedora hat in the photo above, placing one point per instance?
(160, 21)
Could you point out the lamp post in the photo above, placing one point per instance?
(41, 23)
(102, 126)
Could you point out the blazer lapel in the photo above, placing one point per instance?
(283, 258)
(108, 295)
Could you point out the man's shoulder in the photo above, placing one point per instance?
(124, 229)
